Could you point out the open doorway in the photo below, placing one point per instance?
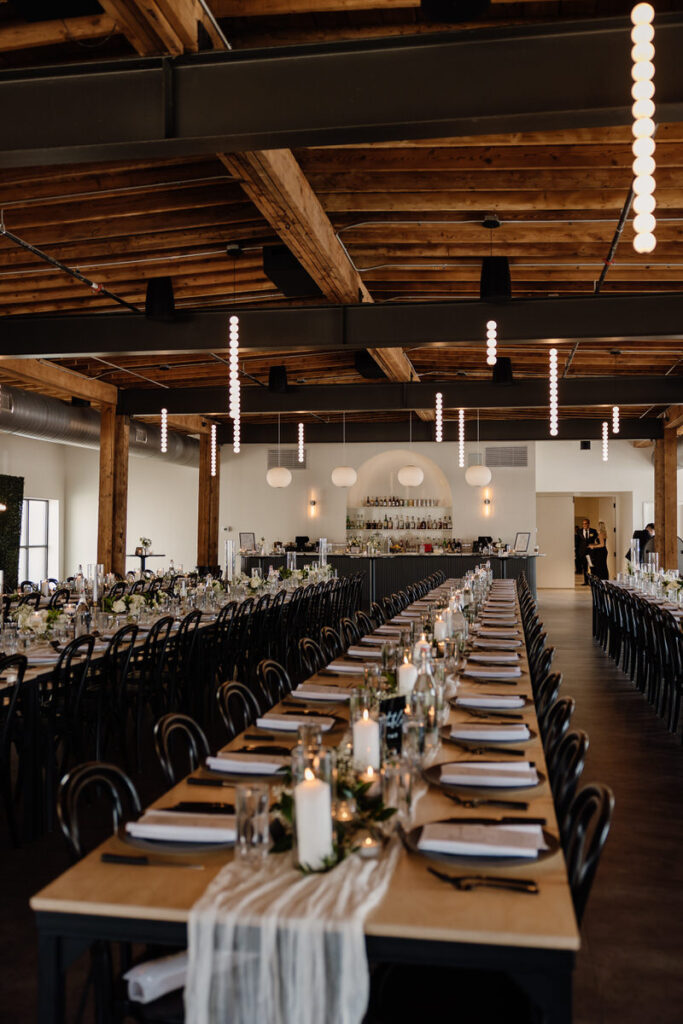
(601, 512)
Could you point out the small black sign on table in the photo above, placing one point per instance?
(393, 708)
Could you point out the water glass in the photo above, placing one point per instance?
(413, 740)
(397, 790)
(310, 737)
(252, 803)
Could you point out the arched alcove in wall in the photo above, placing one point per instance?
(378, 476)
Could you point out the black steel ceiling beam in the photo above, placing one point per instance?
(529, 78)
(577, 429)
(615, 318)
(583, 391)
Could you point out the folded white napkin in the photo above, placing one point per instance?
(373, 638)
(42, 659)
(388, 630)
(493, 671)
(290, 723)
(156, 978)
(491, 700)
(309, 691)
(497, 658)
(489, 773)
(483, 840)
(365, 652)
(191, 828)
(498, 622)
(246, 764)
(502, 634)
(346, 666)
(497, 645)
(489, 731)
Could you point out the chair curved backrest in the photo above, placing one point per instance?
(273, 680)
(59, 598)
(175, 729)
(311, 656)
(364, 623)
(546, 694)
(331, 643)
(30, 599)
(112, 782)
(555, 724)
(137, 586)
(26, 587)
(588, 824)
(565, 768)
(350, 632)
(378, 613)
(238, 707)
(117, 590)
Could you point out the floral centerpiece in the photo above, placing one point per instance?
(145, 544)
(129, 604)
(42, 622)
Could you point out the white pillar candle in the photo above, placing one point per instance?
(313, 811)
(439, 629)
(366, 742)
(407, 674)
(421, 645)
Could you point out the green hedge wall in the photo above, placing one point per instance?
(11, 495)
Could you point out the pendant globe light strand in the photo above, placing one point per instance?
(438, 418)
(461, 438)
(605, 441)
(552, 387)
(644, 127)
(491, 343)
(615, 419)
(214, 447)
(163, 437)
(343, 476)
(233, 359)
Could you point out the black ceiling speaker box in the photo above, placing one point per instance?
(453, 10)
(159, 301)
(584, 446)
(47, 10)
(502, 371)
(286, 273)
(277, 379)
(495, 285)
(366, 365)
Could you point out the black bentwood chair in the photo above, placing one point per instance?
(177, 734)
(588, 824)
(239, 707)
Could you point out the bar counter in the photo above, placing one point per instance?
(386, 573)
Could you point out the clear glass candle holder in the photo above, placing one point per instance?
(252, 821)
(367, 728)
(314, 781)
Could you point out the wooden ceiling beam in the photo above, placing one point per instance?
(270, 8)
(23, 35)
(58, 381)
(558, 179)
(674, 417)
(487, 199)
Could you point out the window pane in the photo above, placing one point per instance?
(24, 520)
(22, 565)
(37, 564)
(37, 522)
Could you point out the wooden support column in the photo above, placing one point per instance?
(113, 501)
(207, 515)
(665, 499)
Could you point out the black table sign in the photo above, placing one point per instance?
(393, 708)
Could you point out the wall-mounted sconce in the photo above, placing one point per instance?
(312, 508)
(3, 508)
(487, 499)
(312, 503)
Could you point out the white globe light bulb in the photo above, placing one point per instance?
(643, 165)
(644, 243)
(643, 71)
(642, 51)
(643, 126)
(278, 476)
(644, 224)
(644, 203)
(643, 108)
(491, 325)
(644, 146)
(642, 14)
(644, 184)
(643, 89)
(491, 360)
(644, 33)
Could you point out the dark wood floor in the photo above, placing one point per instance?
(629, 970)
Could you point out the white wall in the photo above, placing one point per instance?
(555, 518)
(249, 504)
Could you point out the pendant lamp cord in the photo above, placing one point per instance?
(278, 439)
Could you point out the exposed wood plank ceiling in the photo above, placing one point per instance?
(407, 214)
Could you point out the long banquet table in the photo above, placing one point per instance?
(534, 938)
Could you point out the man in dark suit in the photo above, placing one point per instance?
(588, 536)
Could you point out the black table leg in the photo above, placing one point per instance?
(50, 979)
(551, 992)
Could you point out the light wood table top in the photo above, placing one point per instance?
(416, 907)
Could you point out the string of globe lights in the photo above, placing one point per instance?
(234, 393)
(213, 449)
(605, 441)
(643, 110)
(461, 438)
(552, 387)
(491, 343)
(163, 432)
(301, 452)
(438, 418)
(615, 419)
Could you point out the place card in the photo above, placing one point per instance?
(498, 774)
(483, 840)
(489, 731)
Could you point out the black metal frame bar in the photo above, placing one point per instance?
(493, 80)
(62, 937)
(613, 318)
(525, 393)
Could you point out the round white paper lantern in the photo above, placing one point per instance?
(279, 476)
(410, 476)
(478, 476)
(344, 476)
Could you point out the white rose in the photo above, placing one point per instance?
(118, 607)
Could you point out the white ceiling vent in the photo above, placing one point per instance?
(508, 457)
(289, 458)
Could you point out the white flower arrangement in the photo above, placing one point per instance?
(118, 607)
(255, 582)
(145, 542)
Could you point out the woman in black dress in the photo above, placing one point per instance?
(598, 554)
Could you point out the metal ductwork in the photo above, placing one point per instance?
(29, 414)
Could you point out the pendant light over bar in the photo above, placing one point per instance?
(643, 110)
(552, 386)
(491, 342)
(234, 400)
(301, 453)
(343, 476)
(278, 476)
(615, 419)
(605, 441)
(461, 438)
(214, 449)
(410, 475)
(163, 434)
(438, 418)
